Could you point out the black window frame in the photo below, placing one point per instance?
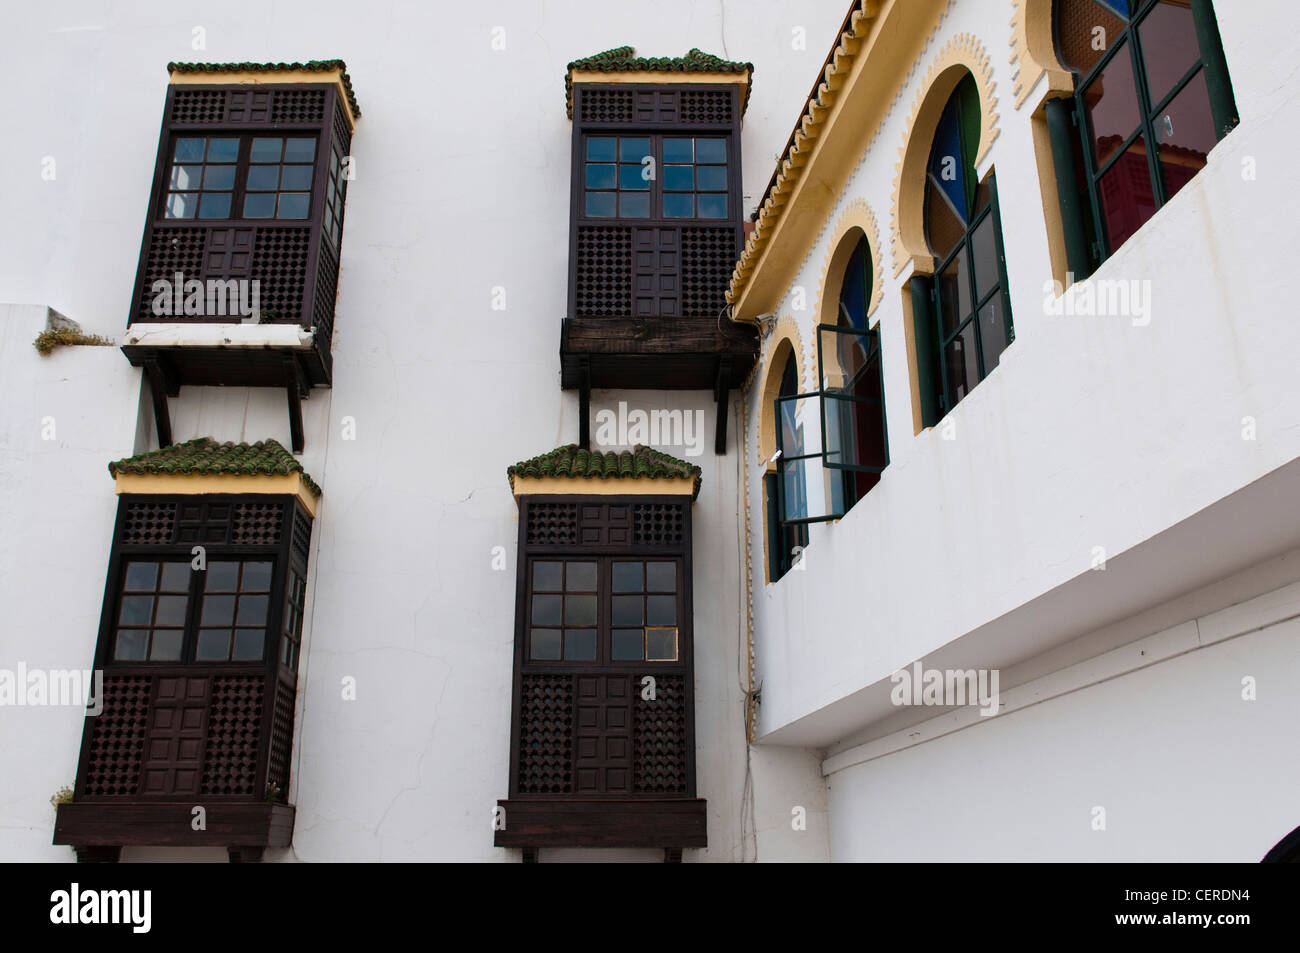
(243, 165)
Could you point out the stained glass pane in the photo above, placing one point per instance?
(1127, 200)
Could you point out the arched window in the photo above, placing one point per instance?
(784, 540)
(971, 322)
(1152, 97)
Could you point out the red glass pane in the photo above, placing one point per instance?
(1127, 199)
(1186, 134)
(1112, 106)
(1169, 46)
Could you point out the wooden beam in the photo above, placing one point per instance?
(584, 405)
(530, 855)
(295, 385)
(672, 855)
(158, 388)
(721, 395)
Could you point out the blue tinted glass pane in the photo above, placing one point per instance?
(299, 150)
(1119, 6)
(600, 204)
(215, 205)
(248, 645)
(190, 150)
(679, 206)
(296, 177)
(678, 150)
(223, 150)
(679, 178)
(144, 576)
(710, 150)
(634, 205)
(186, 176)
(266, 150)
(600, 150)
(712, 178)
(632, 178)
(947, 166)
(294, 204)
(601, 176)
(263, 178)
(628, 644)
(219, 177)
(130, 645)
(259, 205)
(633, 150)
(182, 204)
(713, 205)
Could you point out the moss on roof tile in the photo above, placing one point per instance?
(311, 66)
(636, 464)
(623, 59)
(206, 456)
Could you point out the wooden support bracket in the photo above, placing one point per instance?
(721, 394)
(296, 386)
(158, 389)
(584, 405)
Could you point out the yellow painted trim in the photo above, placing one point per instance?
(657, 78)
(602, 486)
(913, 367)
(856, 220)
(195, 484)
(785, 339)
(256, 78)
(960, 55)
(1033, 52)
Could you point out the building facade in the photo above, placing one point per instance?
(925, 497)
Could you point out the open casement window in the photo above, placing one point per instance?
(785, 540)
(1152, 99)
(199, 648)
(963, 313)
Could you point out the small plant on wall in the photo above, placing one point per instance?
(62, 796)
(273, 792)
(48, 340)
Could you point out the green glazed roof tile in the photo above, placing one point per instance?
(206, 456)
(623, 59)
(639, 463)
(311, 66)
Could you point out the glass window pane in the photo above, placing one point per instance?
(627, 577)
(218, 610)
(136, 610)
(627, 610)
(175, 577)
(855, 432)
(710, 150)
(182, 204)
(546, 610)
(601, 149)
(1186, 133)
(219, 177)
(678, 150)
(547, 576)
(188, 176)
(954, 294)
(661, 577)
(166, 646)
(628, 644)
(944, 228)
(1086, 29)
(601, 176)
(545, 644)
(993, 333)
(579, 610)
(263, 178)
(141, 576)
(661, 610)
(677, 205)
(600, 204)
(661, 644)
(962, 364)
(266, 150)
(248, 645)
(633, 150)
(299, 150)
(1113, 106)
(580, 644)
(711, 178)
(296, 177)
(215, 205)
(190, 150)
(213, 646)
(130, 644)
(1169, 46)
(294, 205)
(985, 252)
(256, 577)
(633, 178)
(259, 205)
(712, 205)
(581, 577)
(222, 577)
(634, 204)
(252, 610)
(223, 150)
(679, 178)
(171, 610)
(1126, 196)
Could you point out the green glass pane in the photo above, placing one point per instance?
(634, 204)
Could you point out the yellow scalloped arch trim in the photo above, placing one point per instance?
(1033, 51)
(785, 338)
(856, 218)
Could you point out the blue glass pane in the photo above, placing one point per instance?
(678, 150)
(190, 150)
(223, 150)
(600, 150)
(600, 204)
(296, 177)
(601, 176)
(712, 178)
(1117, 6)
(299, 150)
(182, 204)
(294, 204)
(679, 178)
(947, 167)
(679, 206)
(259, 205)
(710, 150)
(633, 150)
(634, 205)
(712, 205)
(853, 293)
(215, 205)
(219, 177)
(632, 178)
(186, 176)
(264, 178)
(266, 150)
